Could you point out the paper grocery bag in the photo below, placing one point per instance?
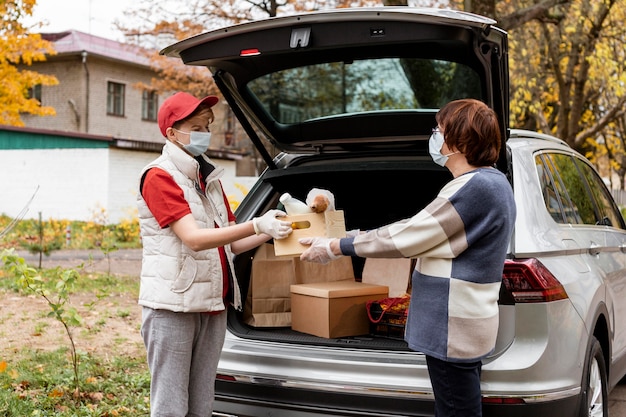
(311, 272)
(269, 300)
(268, 303)
(392, 272)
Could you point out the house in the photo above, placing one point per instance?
(86, 159)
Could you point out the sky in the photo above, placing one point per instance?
(94, 17)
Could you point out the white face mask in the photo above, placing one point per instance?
(435, 143)
(198, 142)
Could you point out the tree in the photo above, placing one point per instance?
(564, 77)
(18, 47)
(568, 78)
(158, 28)
(567, 75)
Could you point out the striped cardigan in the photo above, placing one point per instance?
(460, 240)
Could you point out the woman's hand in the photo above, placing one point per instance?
(320, 250)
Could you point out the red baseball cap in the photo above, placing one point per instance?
(179, 106)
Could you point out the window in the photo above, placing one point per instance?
(300, 94)
(607, 213)
(115, 98)
(149, 105)
(574, 193)
(35, 92)
(555, 195)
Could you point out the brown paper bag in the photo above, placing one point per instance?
(311, 272)
(394, 273)
(269, 295)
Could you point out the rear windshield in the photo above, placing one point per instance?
(390, 84)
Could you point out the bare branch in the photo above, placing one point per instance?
(541, 11)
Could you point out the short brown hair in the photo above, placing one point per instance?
(472, 127)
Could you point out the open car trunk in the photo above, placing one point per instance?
(392, 188)
(389, 190)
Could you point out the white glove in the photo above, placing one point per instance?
(270, 225)
(319, 251)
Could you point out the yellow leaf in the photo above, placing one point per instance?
(55, 393)
(3, 366)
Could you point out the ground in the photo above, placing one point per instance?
(110, 325)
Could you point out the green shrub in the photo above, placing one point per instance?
(50, 235)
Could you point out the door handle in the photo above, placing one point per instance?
(594, 249)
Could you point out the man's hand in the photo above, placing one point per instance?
(319, 251)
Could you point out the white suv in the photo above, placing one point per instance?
(345, 100)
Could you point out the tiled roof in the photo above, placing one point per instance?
(76, 42)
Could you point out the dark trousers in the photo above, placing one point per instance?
(456, 387)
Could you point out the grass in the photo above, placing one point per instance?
(100, 284)
(40, 382)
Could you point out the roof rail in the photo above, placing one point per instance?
(529, 134)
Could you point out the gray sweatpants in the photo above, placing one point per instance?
(183, 350)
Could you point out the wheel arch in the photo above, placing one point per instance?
(601, 332)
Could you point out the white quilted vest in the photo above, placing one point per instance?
(174, 277)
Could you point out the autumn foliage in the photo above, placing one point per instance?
(19, 48)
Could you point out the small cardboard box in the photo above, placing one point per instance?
(333, 309)
(328, 224)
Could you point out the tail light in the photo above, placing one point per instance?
(529, 281)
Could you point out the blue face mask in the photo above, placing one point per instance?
(434, 148)
(435, 143)
(198, 142)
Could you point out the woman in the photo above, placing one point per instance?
(460, 241)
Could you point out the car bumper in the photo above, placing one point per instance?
(251, 400)
(538, 374)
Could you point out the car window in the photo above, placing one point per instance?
(557, 201)
(299, 94)
(574, 193)
(608, 213)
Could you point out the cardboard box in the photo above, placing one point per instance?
(333, 309)
(268, 303)
(328, 224)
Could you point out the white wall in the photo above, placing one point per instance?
(69, 180)
(124, 168)
(76, 184)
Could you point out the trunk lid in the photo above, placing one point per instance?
(352, 80)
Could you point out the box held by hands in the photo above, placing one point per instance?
(330, 223)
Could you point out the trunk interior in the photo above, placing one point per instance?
(384, 192)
